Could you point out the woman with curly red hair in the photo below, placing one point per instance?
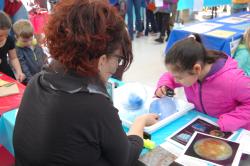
(66, 116)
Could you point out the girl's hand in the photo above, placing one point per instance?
(164, 91)
(161, 91)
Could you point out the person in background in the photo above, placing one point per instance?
(121, 6)
(150, 18)
(59, 121)
(15, 9)
(163, 19)
(42, 3)
(212, 81)
(239, 6)
(242, 53)
(174, 13)
(29, 52)
(136, 4)
(7, 46)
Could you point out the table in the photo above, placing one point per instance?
(8, 122)
(10, 102)
(226, 38)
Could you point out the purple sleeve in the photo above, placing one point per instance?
(167, 80)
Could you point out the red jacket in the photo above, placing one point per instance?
(12, 7)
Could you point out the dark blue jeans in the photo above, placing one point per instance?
(137, 6)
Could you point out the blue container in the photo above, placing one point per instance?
(163, 107)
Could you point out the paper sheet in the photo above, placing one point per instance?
(221, 33)
(201, 27)
(234, 45)
(10, 90)
(182, 136)
(244, 150)
(244, 140)
(241, 159)
(188, 161)
(233, 20)
(158, 3)
(245, 16)
(241, 27)
(2, 82)
(211, 150)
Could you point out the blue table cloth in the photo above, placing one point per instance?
(7, 123)
(209, 3)
(188, 4)
(213, 42)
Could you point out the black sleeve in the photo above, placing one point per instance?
(118, 148)
(11, 43)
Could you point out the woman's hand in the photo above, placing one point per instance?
(148, 119)
(142, 121)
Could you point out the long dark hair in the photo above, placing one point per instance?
(185, 53)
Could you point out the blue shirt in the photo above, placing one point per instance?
(242, 56)
(1, 4)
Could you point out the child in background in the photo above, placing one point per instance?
(30, 54)
(212, 82)
(163, 19)
(7, 46)
(242, 54)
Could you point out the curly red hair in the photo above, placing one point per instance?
(80, 31)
